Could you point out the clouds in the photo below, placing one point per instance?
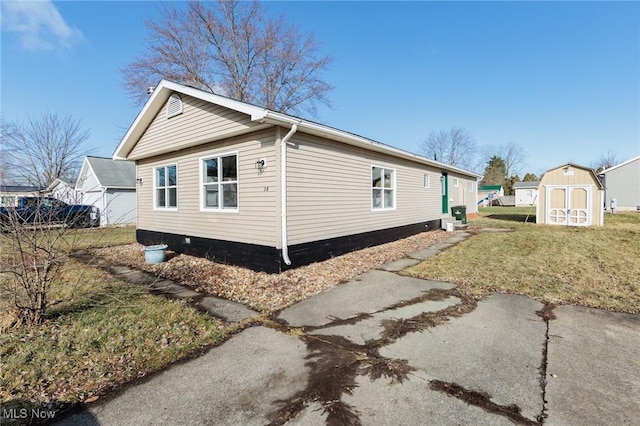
(38, 25)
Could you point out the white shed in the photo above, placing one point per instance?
(110, 186)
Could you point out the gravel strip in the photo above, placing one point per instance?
(262, 291)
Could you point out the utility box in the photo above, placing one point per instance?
(459, 213)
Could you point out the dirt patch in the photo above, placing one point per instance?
(262, 291)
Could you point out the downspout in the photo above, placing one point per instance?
(283, 198)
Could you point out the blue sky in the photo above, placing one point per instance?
(561, 79)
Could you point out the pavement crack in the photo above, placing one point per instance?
(546, 313)
(394, 329)
(482, 400)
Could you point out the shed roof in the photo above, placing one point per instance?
(578, 166)
(111, 173)
(526, 185)
(166, 88)
(490, 188)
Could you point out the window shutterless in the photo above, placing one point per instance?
(166, 187)
(383, 185)
(220, 182)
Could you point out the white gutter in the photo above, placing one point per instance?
(283, 188)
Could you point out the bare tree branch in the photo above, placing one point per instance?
(455, 147)
(232, 48)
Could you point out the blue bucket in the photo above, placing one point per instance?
(155, 254)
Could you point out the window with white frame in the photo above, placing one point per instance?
(470, 186)
(166, 187)
(456, 182)
(383, 185)
(529, 193)
(220, 182)
(427, 180)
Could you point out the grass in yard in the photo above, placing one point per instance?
(99, 333)
(596, 266)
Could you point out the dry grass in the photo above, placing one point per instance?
(597, 266)
(269, 292)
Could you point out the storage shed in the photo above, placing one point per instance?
(244, 185)
(570, 195)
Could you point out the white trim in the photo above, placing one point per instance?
(456, 182)
(427, 181)
(174, 99)
(394, 179)
(567, 202)
(260, 115)
(624, 163)
(470, 186)
(155, 187)
(201, 183)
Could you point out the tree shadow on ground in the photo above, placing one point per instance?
(522, 218)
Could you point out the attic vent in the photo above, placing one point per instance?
(174, 106)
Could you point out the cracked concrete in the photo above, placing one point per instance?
(383, 349)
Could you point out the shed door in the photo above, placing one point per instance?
(568, 205)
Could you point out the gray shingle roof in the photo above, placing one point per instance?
(530, 184)
(114, 174)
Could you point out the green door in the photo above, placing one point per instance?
(445, 192)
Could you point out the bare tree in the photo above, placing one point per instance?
(41, 149)
(454, 147)
(232, 48)
(605, 161)
(511, 153)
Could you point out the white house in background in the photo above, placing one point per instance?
(64, 189)
(526, 193)
(111, 187)
(622, 183)
(9, 194)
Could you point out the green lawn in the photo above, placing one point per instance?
(596, 266)
(99, 333)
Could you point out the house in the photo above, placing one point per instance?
(248, 186)
(570, 195)
(490, 194)
(111, 187)
(622, 183)
(526, 193)
(64, 189)
(10, 193)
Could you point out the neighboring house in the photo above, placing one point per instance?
(526, 193)
(64, 189)
(490, 194)
(248, 186)
(570, 195)
(622, 183)
(10, 193)
(111, 187)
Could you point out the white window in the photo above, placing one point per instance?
(219, 183)
(427, 180)
(383, 185)
(529, 193)
(166, 187)
(470, 186)
(174, 105)
(456, 182)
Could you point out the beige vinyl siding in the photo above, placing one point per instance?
(580, 177)
(329, 191)
(255, 221)
(460, 195)
(199, 122)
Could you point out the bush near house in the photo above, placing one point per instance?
(594, 266)
(98, 334)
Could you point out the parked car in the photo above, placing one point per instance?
(44, 210)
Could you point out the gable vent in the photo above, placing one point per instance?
(174, 106)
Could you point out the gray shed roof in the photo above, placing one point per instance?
(527, 185)
(113, 174)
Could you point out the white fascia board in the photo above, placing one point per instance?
(352, 139)
(624, 163)
(158, 99)
(83, 171)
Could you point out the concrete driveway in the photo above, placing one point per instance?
(384, 349)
